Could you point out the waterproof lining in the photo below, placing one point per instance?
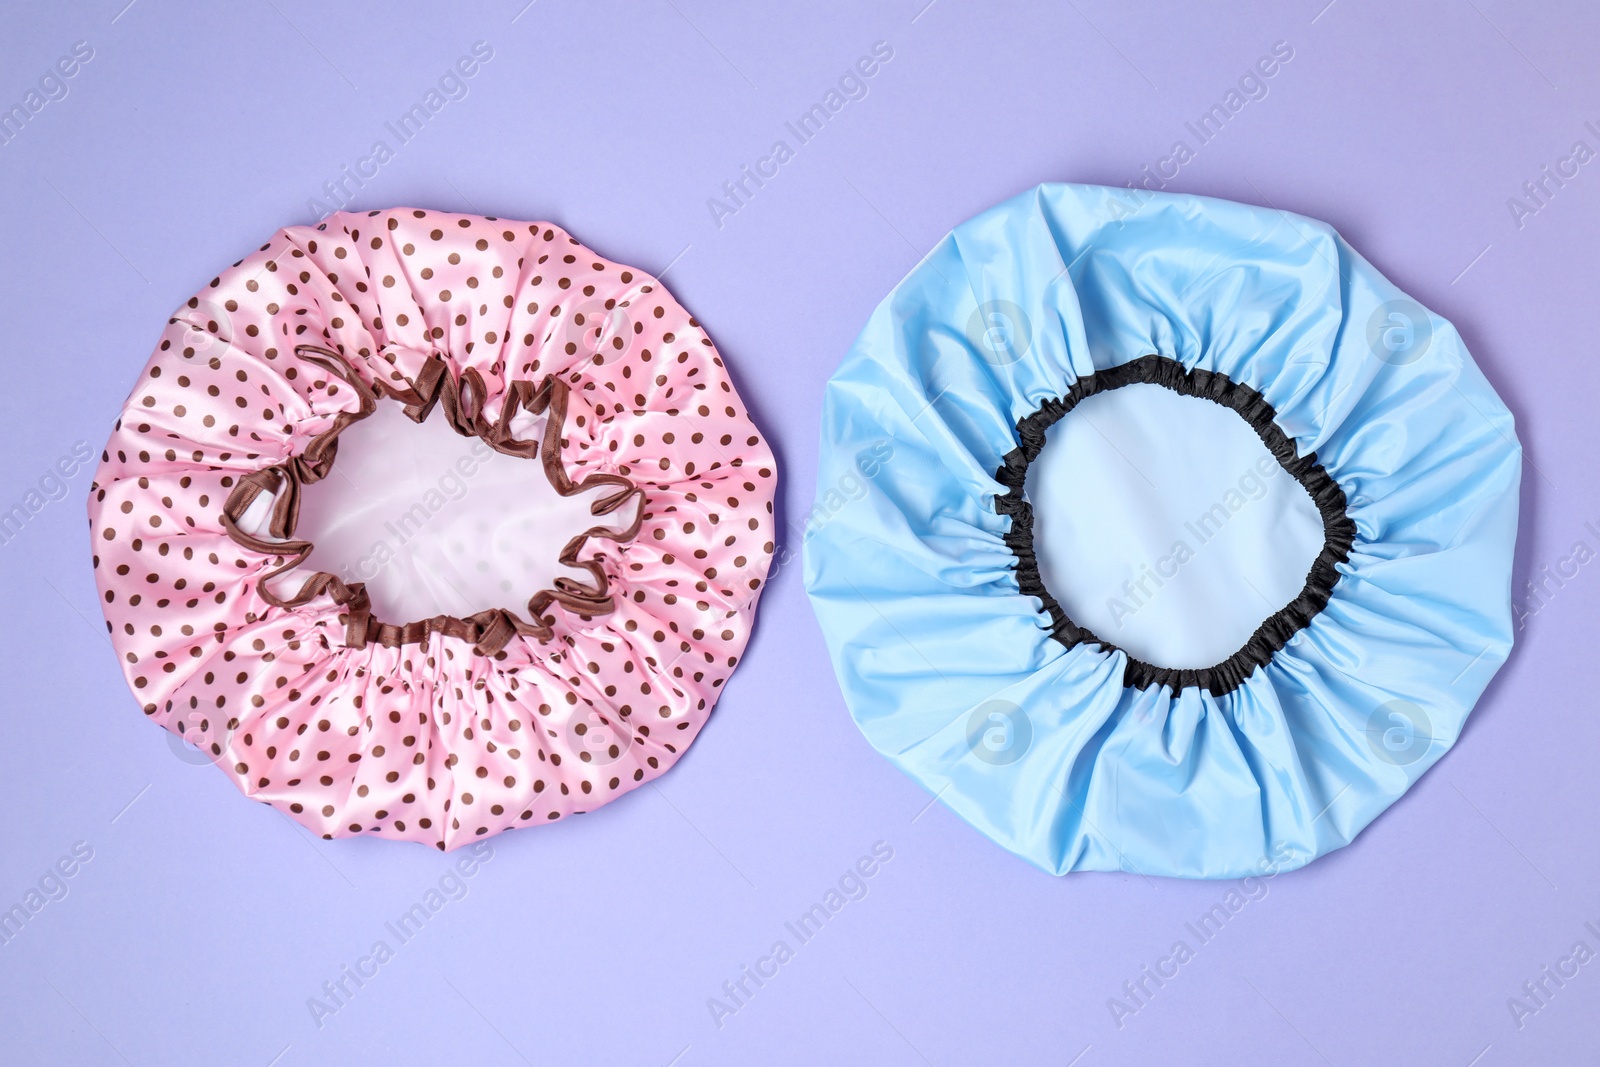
(489, 630)
(432, 522)
(1162, 523)
(1278, 628)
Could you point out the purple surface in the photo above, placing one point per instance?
(203, 923)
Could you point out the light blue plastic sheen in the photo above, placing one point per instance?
(933, 642)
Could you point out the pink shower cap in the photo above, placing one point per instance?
(445, 729)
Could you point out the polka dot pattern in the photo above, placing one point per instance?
(433, 735)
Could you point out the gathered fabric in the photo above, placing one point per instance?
(960, 666)
(445, 729)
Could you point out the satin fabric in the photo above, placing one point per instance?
(439, 739)
(951, 672)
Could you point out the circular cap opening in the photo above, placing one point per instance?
(435, 523)
(1164, 525)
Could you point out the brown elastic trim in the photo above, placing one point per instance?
(462, 402)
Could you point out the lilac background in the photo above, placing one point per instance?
(203, 922)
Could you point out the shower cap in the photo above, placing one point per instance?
(445, 729)
(932, 555)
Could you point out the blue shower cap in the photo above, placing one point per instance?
(1022, 708)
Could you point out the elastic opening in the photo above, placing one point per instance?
(247, 520)
(1338, 530)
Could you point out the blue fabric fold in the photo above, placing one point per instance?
(952, 672)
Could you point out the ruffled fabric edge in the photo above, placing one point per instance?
(487, 631)
(483, 736)
(1287, 766)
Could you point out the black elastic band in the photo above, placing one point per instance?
(1339, 529)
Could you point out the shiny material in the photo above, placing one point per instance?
(446, 729)
(953, 674)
